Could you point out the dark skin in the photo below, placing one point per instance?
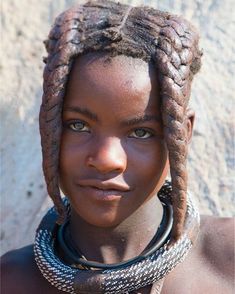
(110, 146)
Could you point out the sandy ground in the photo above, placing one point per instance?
(25, 24)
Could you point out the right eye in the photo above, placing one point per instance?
(78, 126)
(141, 133)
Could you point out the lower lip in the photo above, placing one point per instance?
(102, 195)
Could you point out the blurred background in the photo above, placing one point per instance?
(24, 26)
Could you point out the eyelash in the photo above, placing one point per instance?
(72, 126)
(146, 131)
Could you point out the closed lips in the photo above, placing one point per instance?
(104, 185)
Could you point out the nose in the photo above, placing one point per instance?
(108, 155)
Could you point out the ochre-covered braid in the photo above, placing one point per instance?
(177, 49)
(61, 48)
(166, 40)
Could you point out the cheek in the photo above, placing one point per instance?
(73, 148)
(70, 160)
(66, 157)
(158, 166)
(153, 167)
(151, 158)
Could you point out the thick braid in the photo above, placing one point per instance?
(58, 65)
(177, 49)
(155, 36)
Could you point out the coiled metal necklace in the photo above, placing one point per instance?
(78, 275)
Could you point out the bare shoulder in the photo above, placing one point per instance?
(209, 266)
(217, 244)
(19, 273)
(16, 268)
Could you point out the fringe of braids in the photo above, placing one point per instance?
(168, 41)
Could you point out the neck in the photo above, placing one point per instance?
(119, 243)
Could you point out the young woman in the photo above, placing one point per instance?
(114, 121)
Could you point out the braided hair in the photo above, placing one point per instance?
(168, 41)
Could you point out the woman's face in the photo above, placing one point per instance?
(113, 157)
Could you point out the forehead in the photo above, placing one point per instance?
(107, 59)
(124, 86)
(98, 61)
(117, 76)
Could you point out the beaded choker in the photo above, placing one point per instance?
(147, 268)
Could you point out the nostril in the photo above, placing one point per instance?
(107, 156)
(107, 164)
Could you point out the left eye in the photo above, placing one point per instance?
(141, 134)
(78, 126)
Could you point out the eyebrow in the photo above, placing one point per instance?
(129, 122)
(83, 111)
(141, 119)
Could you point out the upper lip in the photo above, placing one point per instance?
(104, 185)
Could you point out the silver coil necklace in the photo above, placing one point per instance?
(75, 258)
(75, 274)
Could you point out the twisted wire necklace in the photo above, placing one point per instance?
(147, 268)
(76, 259)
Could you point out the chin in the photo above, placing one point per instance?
(102, 220)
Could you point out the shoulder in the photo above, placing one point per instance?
(217, 244)
(210, 264)
(15, 266)
(17, 257)
(15, 260)
(19, 273)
